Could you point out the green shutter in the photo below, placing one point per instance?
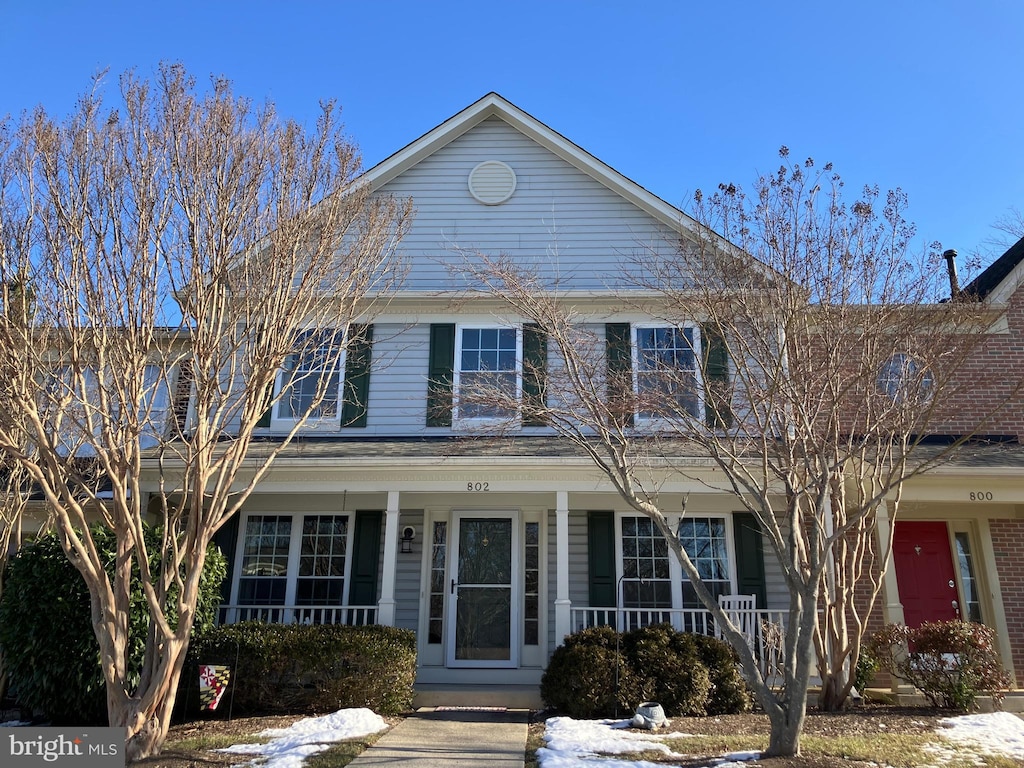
(365, 558)
(439, 382)
(717, 411)
(268, 399)
(749, 557)
(601, 558)
(620, 372)
(535, 358)
(227, 539)
(357, 376)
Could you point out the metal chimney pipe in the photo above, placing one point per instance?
(954, 281)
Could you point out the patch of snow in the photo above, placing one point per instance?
(580, 744)
(289, 747)
(995, 733)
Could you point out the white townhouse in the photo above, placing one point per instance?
(395, 508)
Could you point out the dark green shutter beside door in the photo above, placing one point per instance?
(365, 559)
(749, 557)
(601, 558)
(357, 376)
(439, 382)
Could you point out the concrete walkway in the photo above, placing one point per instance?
(452, 739)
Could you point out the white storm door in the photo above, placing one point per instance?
(484, 590)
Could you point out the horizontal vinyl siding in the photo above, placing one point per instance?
(398, 381)
(560, 219)
(407, 574)
(774, 582)
(578, 585)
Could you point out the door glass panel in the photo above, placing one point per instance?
(438, 558)
(483, 621)
(485, 551)
(972, 600)
(484, 624)
(531, 585)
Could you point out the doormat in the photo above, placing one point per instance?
(471, 709)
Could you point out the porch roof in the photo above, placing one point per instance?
(979, 455)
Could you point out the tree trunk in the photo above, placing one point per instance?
(832, 697)
(146, 734)
(784, 740)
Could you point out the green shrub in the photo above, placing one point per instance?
(866, 669)
(687, 674)
(58, 672)
(729, 694)
(580, 681)
(669, 668)
(950, 662)
(292, 668)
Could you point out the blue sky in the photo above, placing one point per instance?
(675, 95)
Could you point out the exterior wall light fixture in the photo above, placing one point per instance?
(408, 533)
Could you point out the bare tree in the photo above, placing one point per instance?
(18, 309)
(195, 260)
(806, 353)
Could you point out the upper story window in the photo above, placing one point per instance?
(666, 371)
(488, 373)
(904, 379)
(310, 381)
(156, 404)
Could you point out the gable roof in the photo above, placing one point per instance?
(494, 105)
(1001, 278)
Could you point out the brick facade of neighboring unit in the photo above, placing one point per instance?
(1008, 544)
(997, 376)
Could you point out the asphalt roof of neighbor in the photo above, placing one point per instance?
(996, 272)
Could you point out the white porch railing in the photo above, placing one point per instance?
(765, 639)
(356, 615)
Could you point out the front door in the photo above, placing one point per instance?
(924, 572)
(483, 604)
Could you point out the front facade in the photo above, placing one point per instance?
(397, 507)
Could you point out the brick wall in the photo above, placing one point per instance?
(992, 380)
(1008, 543)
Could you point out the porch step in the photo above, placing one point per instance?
(1012, 702)
(477, 695)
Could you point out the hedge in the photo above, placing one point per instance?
(295, 668)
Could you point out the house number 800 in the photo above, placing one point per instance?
(478, 486)
(981, 495)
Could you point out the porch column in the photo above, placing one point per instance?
(892, 611)
(386, 606)
(563, 618)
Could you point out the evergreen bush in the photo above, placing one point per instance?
(687, 674)
(580, 681)
(729, 694)
(49, 647)
(295, 668)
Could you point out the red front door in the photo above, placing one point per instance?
(924, 572)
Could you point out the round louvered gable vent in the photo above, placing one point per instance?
(492, 182)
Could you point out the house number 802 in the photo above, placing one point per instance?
(981, 495)
(478, 486)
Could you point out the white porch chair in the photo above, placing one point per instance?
(741, 611)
